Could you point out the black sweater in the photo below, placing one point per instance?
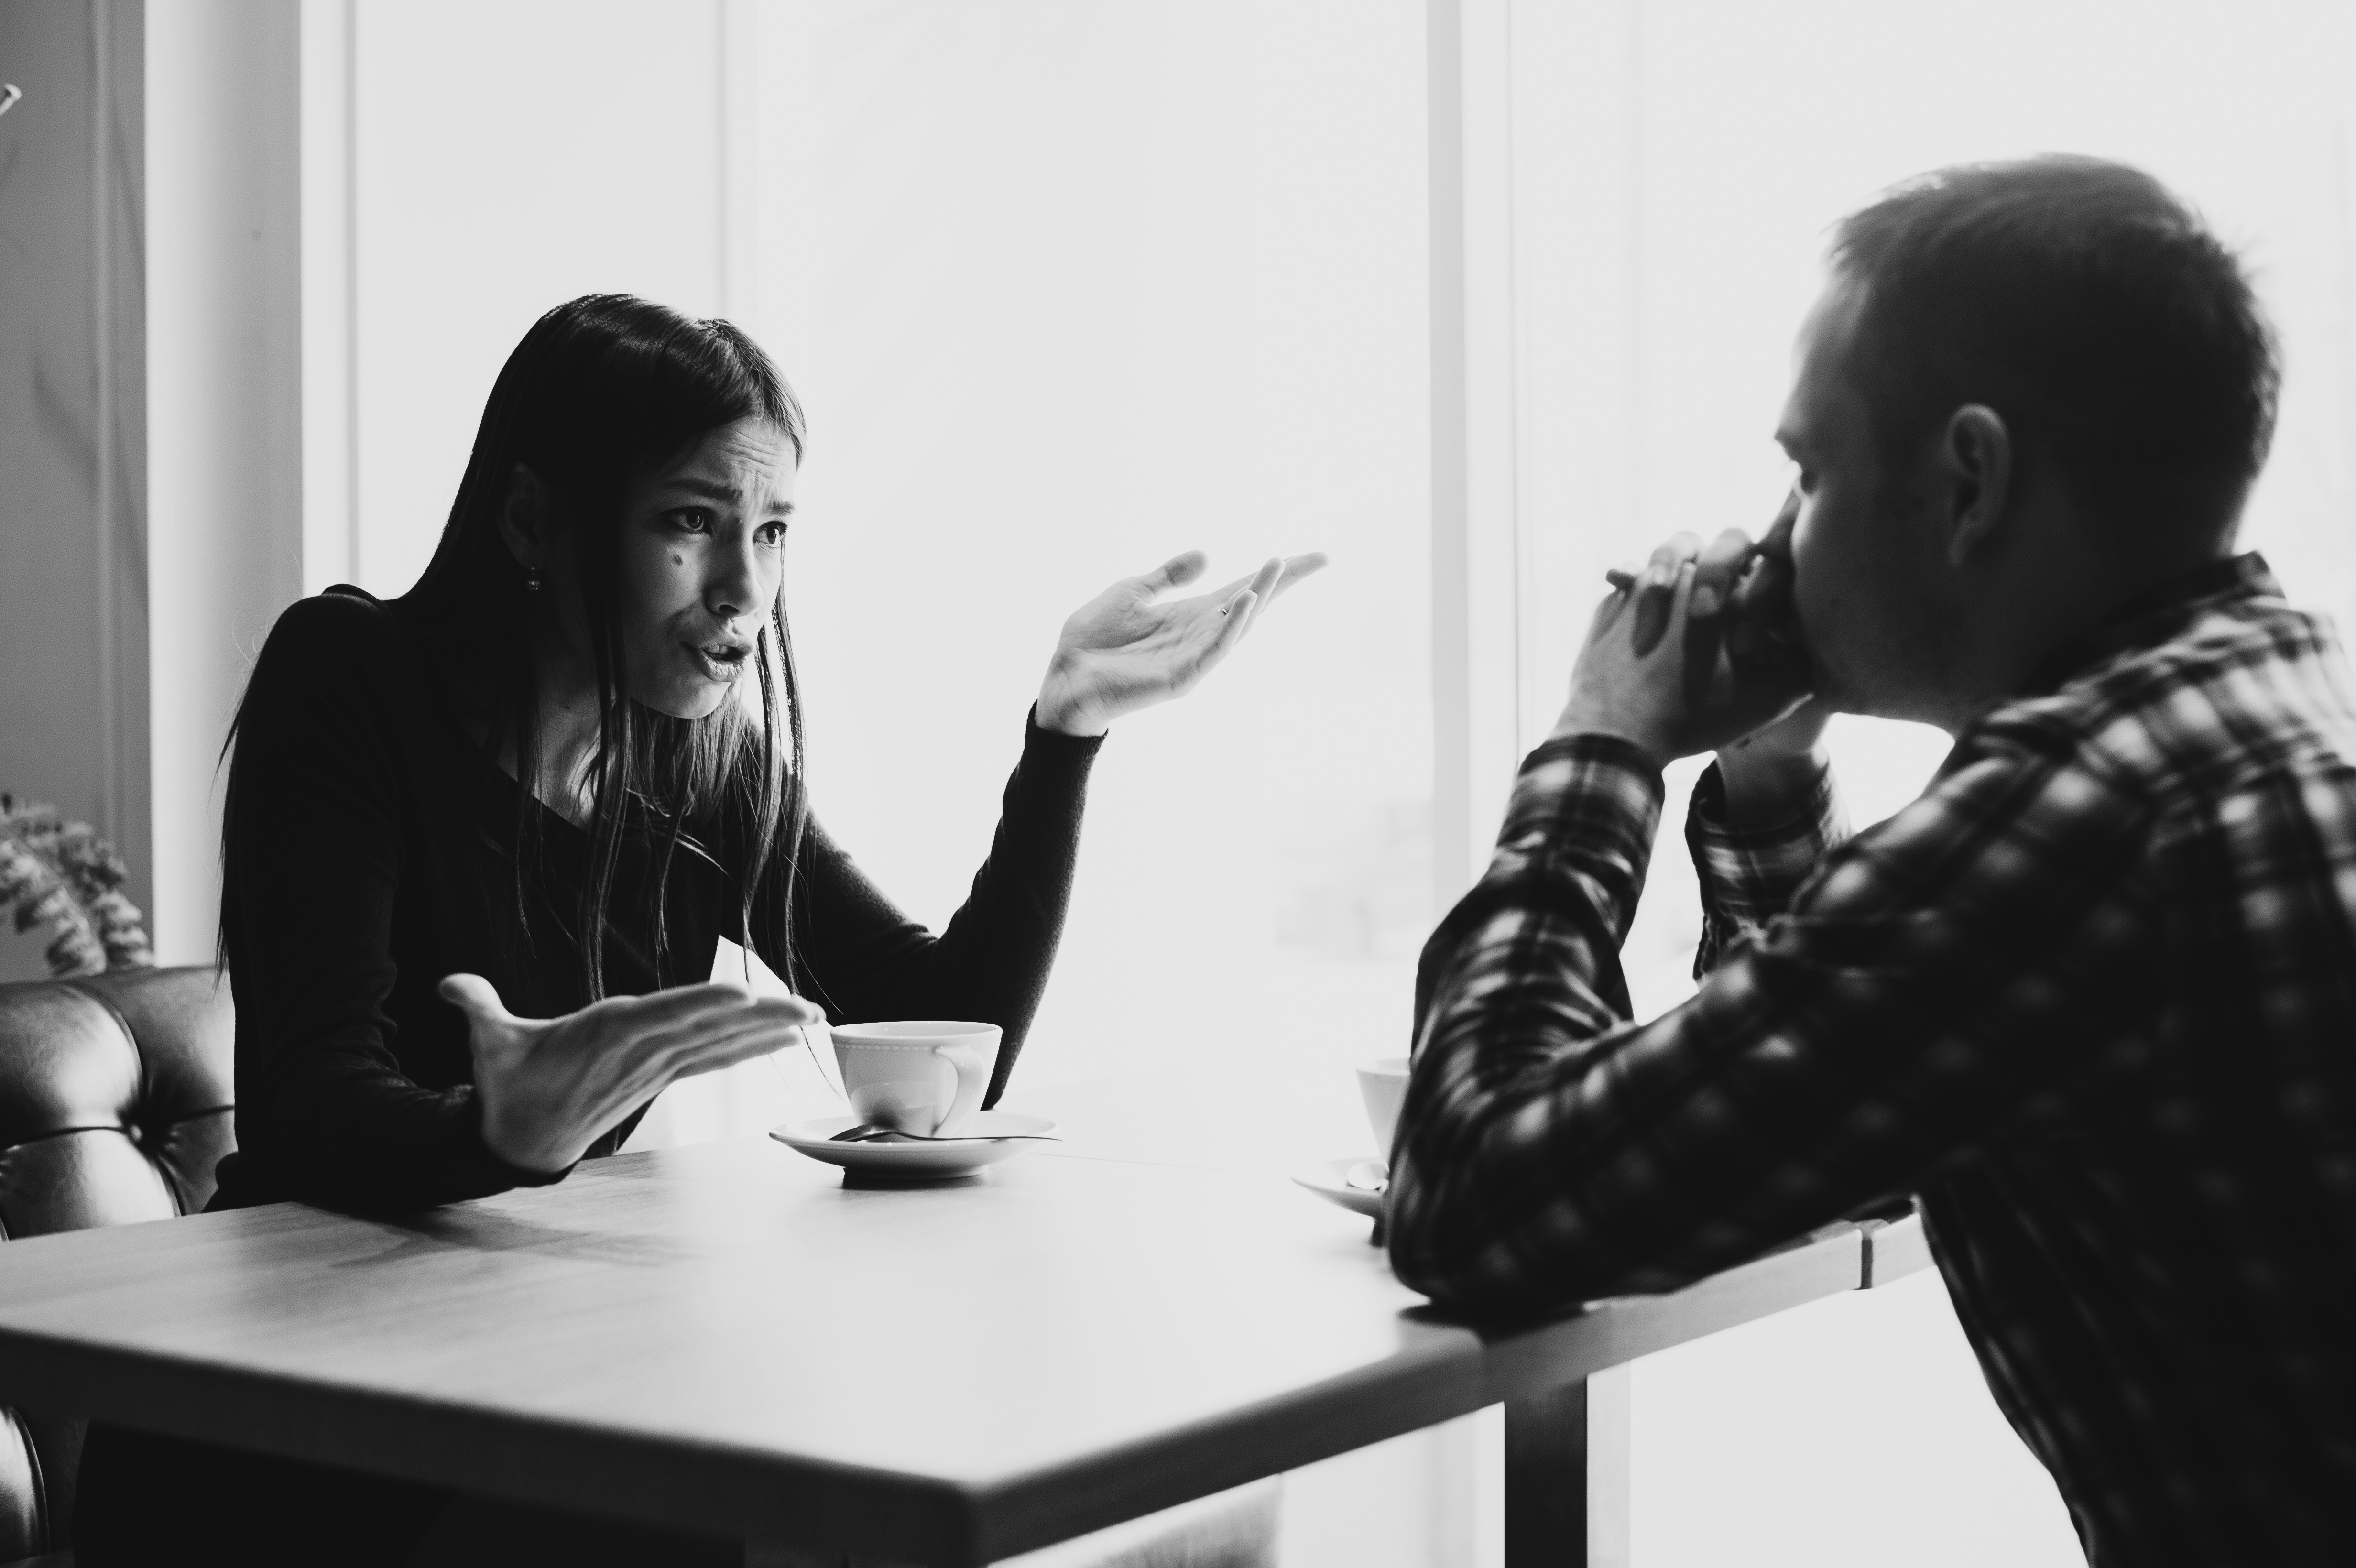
(373, 854)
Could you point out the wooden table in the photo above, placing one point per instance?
(731, 1338)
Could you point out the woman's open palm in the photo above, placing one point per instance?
(551, 1087)
(1129, 648)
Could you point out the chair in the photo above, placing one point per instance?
(114, 1106)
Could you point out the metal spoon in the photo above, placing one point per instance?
(877, 1132)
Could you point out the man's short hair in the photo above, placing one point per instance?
(2115, 335)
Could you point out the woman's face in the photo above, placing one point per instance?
(701, 554)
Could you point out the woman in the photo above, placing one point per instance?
(476, 835)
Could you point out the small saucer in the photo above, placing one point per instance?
(1330, 1179)
(990, 1137)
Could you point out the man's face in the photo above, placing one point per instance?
(1865, 561)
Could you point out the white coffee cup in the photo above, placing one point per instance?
(922, 1076)
(1382, 1084)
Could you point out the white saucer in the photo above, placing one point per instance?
(987, 1141)
(1330, 1179)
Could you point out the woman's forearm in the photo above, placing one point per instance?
(862, 959)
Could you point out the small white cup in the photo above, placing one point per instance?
(924, 1076)
(1382, 1084)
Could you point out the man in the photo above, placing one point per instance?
(2091, 999)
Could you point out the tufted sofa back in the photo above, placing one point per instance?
(114, 1106)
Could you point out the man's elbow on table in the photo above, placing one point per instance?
(1476, 1249)
(1416, 1228)
(1445, 1243)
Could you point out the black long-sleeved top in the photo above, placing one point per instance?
(373, 853)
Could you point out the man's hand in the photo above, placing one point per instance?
(550, 1087)
(1696, 652)
(1770, 774)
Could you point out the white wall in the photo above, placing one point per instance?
(225, 534)
(73, 660)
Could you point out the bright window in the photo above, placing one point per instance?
(1066, 289)
(1069, 286)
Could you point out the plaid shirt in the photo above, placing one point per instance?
(2092, 999)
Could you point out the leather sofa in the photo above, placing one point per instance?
(114, 1106)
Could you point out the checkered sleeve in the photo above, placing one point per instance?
(1749, 874)
(1930, 990)
(1577, 841)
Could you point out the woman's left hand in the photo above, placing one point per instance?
(1123, 650)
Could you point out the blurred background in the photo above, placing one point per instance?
(1479, 296)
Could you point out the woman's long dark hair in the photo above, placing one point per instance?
(602, 391)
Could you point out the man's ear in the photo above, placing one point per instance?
(1976, 451)
(524, 519)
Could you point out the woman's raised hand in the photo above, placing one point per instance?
(550, 1087)
(1128, 648)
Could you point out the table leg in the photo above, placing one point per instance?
(1567, 1476)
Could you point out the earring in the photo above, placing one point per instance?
(531, 580)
